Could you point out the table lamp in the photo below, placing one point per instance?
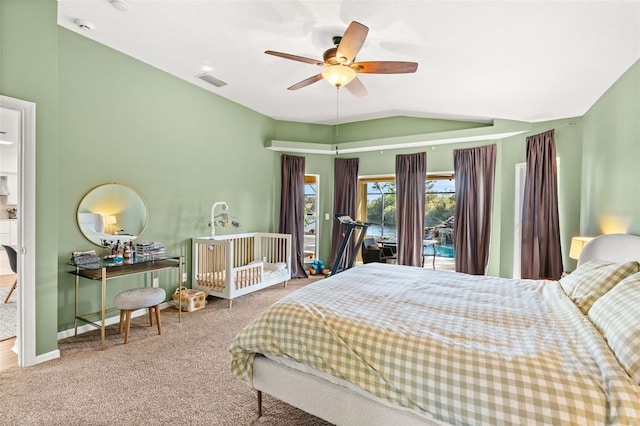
(109, 222)
(577, 244)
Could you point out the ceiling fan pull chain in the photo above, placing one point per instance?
(337, 116)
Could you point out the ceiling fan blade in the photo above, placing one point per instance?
(351, 42)
(294, 57)
(356, 88)
(306, 82)
(385, 67)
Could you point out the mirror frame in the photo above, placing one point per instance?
(110, 209)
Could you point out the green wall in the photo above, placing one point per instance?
(105, 117)
(610, 201)
(29, 71)
(180, 147)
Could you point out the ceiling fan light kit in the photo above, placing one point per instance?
(338, 75)
(340, 66)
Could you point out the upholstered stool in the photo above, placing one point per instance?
(139, 298)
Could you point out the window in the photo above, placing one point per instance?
(439, 207)
(310, 217)
(378, 206)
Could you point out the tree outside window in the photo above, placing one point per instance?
(439, 208)
(381, 208)
(440, 203)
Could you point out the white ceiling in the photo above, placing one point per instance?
(518, 60)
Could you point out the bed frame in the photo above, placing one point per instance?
(342, 405)
(230, 266)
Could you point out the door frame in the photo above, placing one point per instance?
(26, 266)
(520, 176)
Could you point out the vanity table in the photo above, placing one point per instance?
(102, 272)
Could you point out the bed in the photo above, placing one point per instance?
(93, 227)
(233, 265)
(388, 344)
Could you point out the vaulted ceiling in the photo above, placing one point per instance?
(479, 60)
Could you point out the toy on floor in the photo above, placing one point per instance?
(318, 268)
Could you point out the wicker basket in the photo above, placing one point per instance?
(191, 300)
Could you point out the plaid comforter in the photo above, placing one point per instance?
(464, 349)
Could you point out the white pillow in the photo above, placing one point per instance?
(616, 316)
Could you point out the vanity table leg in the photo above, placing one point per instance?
(75, 318)
(179, 284)
(102, 313)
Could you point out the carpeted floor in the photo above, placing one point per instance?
(8, 314)
(181, 377)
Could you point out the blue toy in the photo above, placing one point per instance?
(318, 268)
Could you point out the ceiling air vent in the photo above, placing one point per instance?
(211, 79)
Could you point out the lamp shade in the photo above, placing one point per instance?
(109, 220)
(338, 75)
(577, 244)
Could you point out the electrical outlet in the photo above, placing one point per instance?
(326, 216)
(184, 277)
(156, 282)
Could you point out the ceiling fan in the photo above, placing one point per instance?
(339, 64)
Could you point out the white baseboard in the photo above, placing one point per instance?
(40, 358)
(83, 329)
(47, 357)
(109, 321)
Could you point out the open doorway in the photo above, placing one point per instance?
(10, 123)
(311, 187)
(377, 205)
(17, 208)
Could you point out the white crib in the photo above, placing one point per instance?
(229, 266)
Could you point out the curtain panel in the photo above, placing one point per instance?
(541, 250)
(411, 172)
(345, 200)
(474, 170)
(292, 210)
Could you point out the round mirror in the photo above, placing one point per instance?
(110, 213)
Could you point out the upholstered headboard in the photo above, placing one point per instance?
(91, 223)
(612, 247)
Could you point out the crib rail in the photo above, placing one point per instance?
(231, 265)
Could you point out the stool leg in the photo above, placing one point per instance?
(157, 309)
(120, 324)
(150, 316)
(13, 287)
(128, 324)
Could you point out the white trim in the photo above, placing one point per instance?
(500, 129)
(107, 322)
(47, 356)
(521, 173)
(26, 324)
